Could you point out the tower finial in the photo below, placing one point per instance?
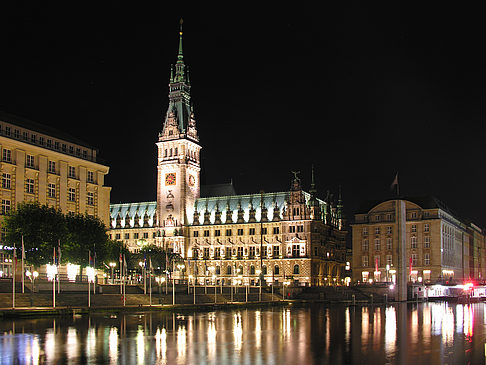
(313, 185)
(179, 55)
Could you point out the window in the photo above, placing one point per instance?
(378, 218)
(5, 206)
(252, 270)
(276, 251)
(414, 259)
(72, 194)
(414, 215)
(85, 154)
(388, 217)
(427, 258)
(29, 186)
(264, 230)
(51, 190)
(378, 260)
(239, 253)
(206, 252)
(300, 228)
(72, 171)
(195, 234)
(252, 231)
(252, 252)
(64, 147)
(145, 235)
(295, 250)
(56, 145)
(25, 136)
(264, 270)
(377, 244)
(364, 261)
(228, 270)
(377, 230)
(413, 242)
(292, 229)
(414, 228)
(71, 150)
(42, 141)
(217, 233)
(364, 246)
(6, 180)
(426, 227)
(127, 236)
(228, 252)
(276, 270)
(276, 230)
(427, 241)
(296, 269)
(90, 198)
(78, 151)
(52, 167)
(240, 231)
(7, 155)
(296, 211)
(389, 243)
(135, 235)
(29, 161)
(90, 177)
(316, 251)
(33, 138)
(365, 231)
(217, 253)
(117, 236)
(389, 230)
(7, 131)
(389, 260)
(228, 232)
(206, 233)
(49, 143)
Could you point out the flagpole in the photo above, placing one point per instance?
(14, 265)
(23, 270)
(54, 282)
(87, 276)
(59, 260)
(124, 273)
(150, 280)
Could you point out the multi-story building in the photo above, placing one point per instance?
(222, 235)
(433, 244)
(41, 164)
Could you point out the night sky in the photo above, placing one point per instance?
(359, 90)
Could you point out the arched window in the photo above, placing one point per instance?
(296, 270)
(276, 270)
(240, 270)
(228, 270)
(264, 270)
(252, 270)
(218, 270)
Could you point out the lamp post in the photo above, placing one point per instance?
(214, 281)
(142, 267)
(112, 265)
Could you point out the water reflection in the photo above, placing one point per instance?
(424, 333)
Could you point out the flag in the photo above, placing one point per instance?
(145, 260)
(124, 265)
(23, 249)
(376, 264)
(94, 259)
(15, 256)
(59, 251)
(411, 267)
(54, 259)
(90, 259)
(395, 183)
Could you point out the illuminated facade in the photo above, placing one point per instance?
(439, 246)
(285, 236)
(44, 165)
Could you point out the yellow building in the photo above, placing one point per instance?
(432, 245)
(40, 164)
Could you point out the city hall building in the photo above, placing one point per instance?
(290, 236)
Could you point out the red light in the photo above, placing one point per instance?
(468, 286)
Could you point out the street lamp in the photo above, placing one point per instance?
(112, 265)
(142, 267)
(32, 276)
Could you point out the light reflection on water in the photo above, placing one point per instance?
(429, 333)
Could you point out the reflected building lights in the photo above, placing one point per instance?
(469, 321)
(448, 326)
(181, 345)
(390, 330)
(258, 329)
(113, 345)
(140, 346)
(72, 343)
(50, 345)
(161, 345)
(91, 343)
(347, 326)
(211, 340)
(365, 326)
(35, 350)
(414, 328)
(426, 324)
(237, 331)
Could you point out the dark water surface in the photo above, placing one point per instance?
(429, 333)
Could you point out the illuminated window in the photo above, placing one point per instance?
(389, 243)
(365, 245)
(377, 230)
(29, 186)
(90, 177)
(51, 190)
(29, 161)
(389, 230)
(427, 241)
(72, 194)
(364, 261)
(426, 227)
(414, 259)
(90, 198)
(413, 242)
(7, 155)
(6, 181)
(365, 231)
(377, 244)
(414, 228)
(427, 258)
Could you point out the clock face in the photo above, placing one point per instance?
(170, 179)
(192, 180)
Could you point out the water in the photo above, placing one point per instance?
(429, 333)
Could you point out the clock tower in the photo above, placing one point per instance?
(178, 160)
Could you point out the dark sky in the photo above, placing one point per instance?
(359, 90)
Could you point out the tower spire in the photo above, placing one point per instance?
(179, 55)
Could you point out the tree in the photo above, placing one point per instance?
(41, 227)
(85, 235)
(160, 257)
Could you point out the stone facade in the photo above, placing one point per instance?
(439, 246)
(51, 168)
